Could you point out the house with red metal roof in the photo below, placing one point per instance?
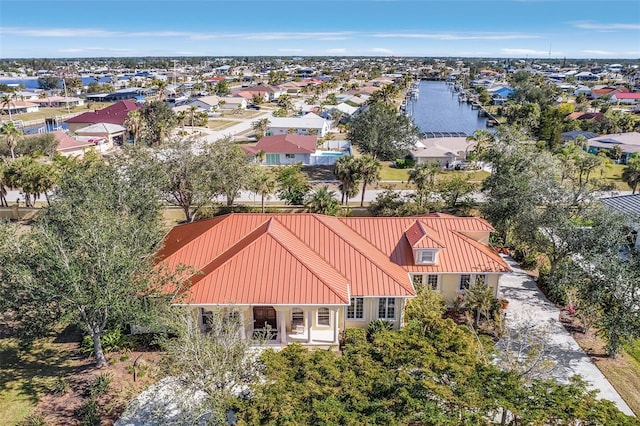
(629, 98)
(284, 149)
(113, 114)
(308, 277)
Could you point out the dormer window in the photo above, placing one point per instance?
(426, 257)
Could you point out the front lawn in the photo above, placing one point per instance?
(27, 376)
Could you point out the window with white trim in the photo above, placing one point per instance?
(290, 156)
(426, 256)
(356, 309)
(418, 281)
(432, 281)
(480, 280)
(297, 317)
(465, 282)
(387, 308)
(324, 316)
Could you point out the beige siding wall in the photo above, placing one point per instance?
(448, 285)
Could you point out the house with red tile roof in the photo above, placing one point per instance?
(113, 114)
(308, 277)
(284, 149)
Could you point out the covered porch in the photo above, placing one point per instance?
(281, 325)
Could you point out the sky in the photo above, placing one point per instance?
(426, 28)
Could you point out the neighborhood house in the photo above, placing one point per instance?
(308, 277)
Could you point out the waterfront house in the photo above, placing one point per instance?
(59, 101)
(19, 107)
(307, 124)
(307, 277)
(112, 134)
(113, 114)
(284, 149)
(444, 151)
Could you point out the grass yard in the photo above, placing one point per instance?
(27, 377)
(242, 113)
(613, 174)
(623, 372)
(221, 124)
(46, 112)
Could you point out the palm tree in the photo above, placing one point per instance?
(7, 102)
(631, 173)
(3, 184)
(134, 124)
(260, 127)
(483, 139)
(11, 133)
(160, 85)
(323, 201)
(347, 171)
(192, 112)
(182, 117)
(369, 170)
(263, 182)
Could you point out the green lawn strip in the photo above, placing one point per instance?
(46, 112)
(220, 124)
(625, 378)
(27, 376)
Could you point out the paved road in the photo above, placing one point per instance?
(527, 303)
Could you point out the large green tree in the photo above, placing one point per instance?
(89, 256)
(157, 121)
(230, 170)
(383, 133)
(293, 185)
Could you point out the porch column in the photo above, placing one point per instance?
(282, 326)
(243, 329)
(401, 303)
(336, 335)
(309, 322)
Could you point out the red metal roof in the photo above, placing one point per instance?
(113, 114)
(314, 259)
(288, 144)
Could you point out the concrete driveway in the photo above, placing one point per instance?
(528, 304)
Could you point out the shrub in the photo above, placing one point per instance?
(34, 420)
(61, 386)
(100, 385)
(89, 413)
(376, 326)
(355, 336)
(111, 341)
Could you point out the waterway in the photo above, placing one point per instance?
(437, 109)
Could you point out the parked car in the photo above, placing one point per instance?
(256, 107)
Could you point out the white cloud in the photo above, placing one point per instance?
(528, 52)
(298, 35)
(587, 25)
(57, 32)
(459, 36)
(95, 49)
(598, 52)
(381, 50)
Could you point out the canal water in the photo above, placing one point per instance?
(437, 109)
